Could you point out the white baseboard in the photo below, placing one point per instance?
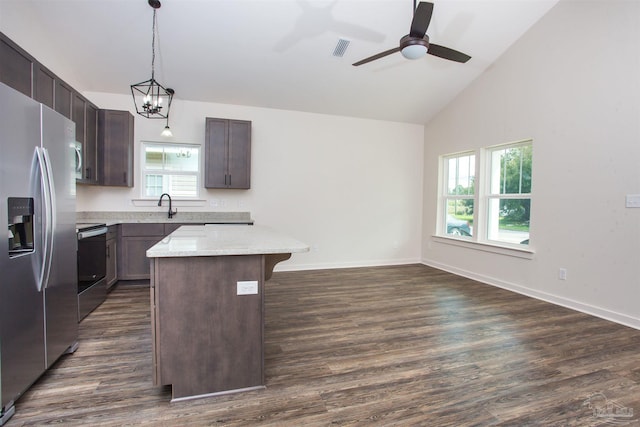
(603, 313)
(334, 265)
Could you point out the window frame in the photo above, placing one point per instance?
(482, 197)
(445, 197)
(144, 171)
(488, 195)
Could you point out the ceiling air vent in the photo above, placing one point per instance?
(341, 47)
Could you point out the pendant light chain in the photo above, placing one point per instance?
(153, 45)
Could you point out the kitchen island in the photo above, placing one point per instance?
(207, 306)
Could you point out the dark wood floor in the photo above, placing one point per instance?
(402, 345)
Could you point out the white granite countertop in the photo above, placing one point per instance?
(217, 240)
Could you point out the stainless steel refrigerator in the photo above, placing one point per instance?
(38, 268)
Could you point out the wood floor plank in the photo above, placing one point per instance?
(398, 345)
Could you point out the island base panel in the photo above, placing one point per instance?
(207, 339)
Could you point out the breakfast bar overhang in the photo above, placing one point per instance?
(207, 306)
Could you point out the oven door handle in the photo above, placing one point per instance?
(92, 233)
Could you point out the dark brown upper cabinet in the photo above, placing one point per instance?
(84, 114)
(24, 73)
(15, 67)
(90, 146)
(115, 147)
(64, 99)
(44, 84)
(227, 153)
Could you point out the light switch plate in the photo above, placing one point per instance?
(248, 287)
(633, 200)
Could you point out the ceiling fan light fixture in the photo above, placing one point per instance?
(414, 51)
(414, 47)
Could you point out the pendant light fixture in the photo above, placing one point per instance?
(166, 132)
(151, 99)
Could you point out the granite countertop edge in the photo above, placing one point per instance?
(114, 218)
(216, 240)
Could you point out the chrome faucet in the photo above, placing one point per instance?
(171, 212)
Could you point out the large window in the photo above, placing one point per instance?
(509, 194)
(170, 168)
(459, 195)
(493, 206)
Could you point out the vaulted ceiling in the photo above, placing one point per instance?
(278, 53)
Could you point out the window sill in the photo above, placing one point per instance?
(486, 247)
(174, 202)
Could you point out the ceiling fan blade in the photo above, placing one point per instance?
(446, 53)
(421, 19)
(377, 56)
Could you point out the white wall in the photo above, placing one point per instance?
(350, 188)
(572, 83)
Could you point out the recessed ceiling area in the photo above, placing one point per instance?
(271, 53)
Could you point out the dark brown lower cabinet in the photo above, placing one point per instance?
(135, 239)
(207, 339)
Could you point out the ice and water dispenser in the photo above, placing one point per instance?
(20, 214)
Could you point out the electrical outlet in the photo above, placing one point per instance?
(562, 274)
(633, 201)
(247, 287)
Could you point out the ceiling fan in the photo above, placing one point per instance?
(416, 44)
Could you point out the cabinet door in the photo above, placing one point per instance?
(239, 163)
(90, 146)
(78, 115)
(227, 153)
(135, 239)
(15, 67)
(64, 96)
(115, 145)
(216, 153)
(134, 264)
(44, 82)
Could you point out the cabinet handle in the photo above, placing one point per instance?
(124, 177)
(88, 175)
(108, 252)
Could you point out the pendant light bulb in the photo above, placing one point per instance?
(166, 132)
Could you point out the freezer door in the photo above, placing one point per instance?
(61, 290)
(22, 350)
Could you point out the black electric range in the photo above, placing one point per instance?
(92, 266)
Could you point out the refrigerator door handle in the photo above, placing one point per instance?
(52, 195)
(47, 215)
(53, 209)
(78, 151)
